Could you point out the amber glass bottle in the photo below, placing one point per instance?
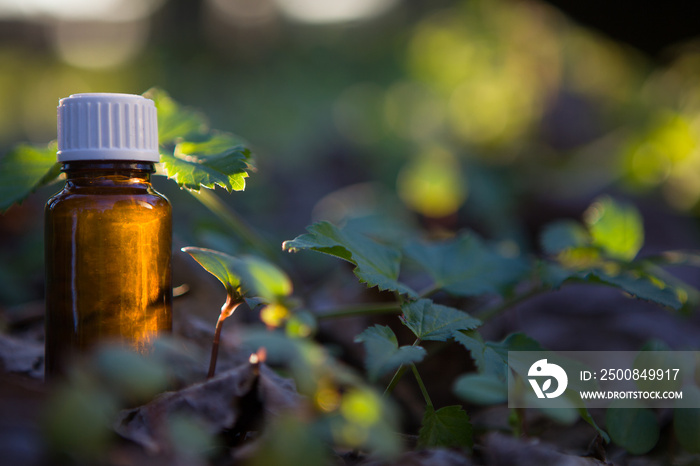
(108, 233)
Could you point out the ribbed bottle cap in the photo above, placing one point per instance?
(103, 126)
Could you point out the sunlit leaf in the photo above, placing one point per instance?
(207, 164)
(193, 155)
(563, 234)
(430, 321)
(253, 274)
(466, 266)
(634, 429)
(24, 169)
(383, 353)
(615, 228)
(376, 264)
(218, 264)
(446, 427)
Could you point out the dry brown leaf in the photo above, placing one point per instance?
(217, 404)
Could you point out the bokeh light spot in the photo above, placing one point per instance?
(361, 407)
(432, 183)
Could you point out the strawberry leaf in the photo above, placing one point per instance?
(200, 164)
(375, 264)
(383, 353)
(193, 155)
(465, 266)
(430, 321)
(446, 427)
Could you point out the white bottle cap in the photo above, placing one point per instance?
(107, 127)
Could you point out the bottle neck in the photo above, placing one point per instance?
(108, 173)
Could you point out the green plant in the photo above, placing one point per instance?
(428, 282)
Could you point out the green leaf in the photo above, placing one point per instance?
(615, 228)
(563, 234)
(446, 427)
(430, 321)
(634, 429)
(23, 170)
(218, 264)
(252, 274)
(639, 286)
(383, 353)
(686, 420)
(174, 122)
(481, 389)
(492, 357)
(219, 160)
(465, 266)
(375, 264)
(496, 353)
(192, 154)
(476, 346)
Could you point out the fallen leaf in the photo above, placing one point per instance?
(215, 404)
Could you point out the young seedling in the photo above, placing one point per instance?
(240, 276)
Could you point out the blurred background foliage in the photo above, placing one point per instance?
(493, 114)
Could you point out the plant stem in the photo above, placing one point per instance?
(426, 397)
(507, 304)
(398, 374)
(226, 310)
(361, 309)
(395, 380)
(233, 221)
(215, 347)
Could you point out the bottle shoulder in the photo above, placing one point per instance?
(93, 198)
